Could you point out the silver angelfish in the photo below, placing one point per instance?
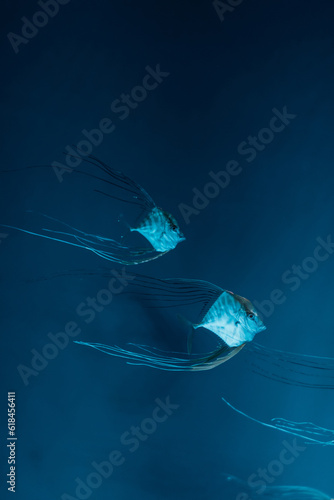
(158, 227)
(161, 229)
(232, 318)
(235, 321)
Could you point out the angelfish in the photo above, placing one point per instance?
(158, 227)
(161, 229)
(232, 318)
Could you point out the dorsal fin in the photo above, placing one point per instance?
(209, 303)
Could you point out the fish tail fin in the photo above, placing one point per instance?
(191, 330)
(124, 222)
(222, 354)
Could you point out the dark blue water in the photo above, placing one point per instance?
(221, 81)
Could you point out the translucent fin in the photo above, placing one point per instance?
(124, 182)
(174, 292)
(106, 248)
(308, 429)
(131, 191)
(215, 293)
(143, 355)
(292, 368)
(191, 330)
(311, 433)
(161, 293)
(123, 189)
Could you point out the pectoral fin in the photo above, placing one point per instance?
(190, 339)
(191, 331)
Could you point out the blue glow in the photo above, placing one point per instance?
(308, 431)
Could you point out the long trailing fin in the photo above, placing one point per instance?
(116, 178)
(307, 430)
(106, 248)
(141, 355)
(162, 293)
(191, 330)
(291, 368)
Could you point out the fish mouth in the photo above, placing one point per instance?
(262, 328)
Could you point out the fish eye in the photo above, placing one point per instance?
(251, 315)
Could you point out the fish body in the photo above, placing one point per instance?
(233, 319)
(161, 229)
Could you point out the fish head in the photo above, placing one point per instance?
(161, 229)
(171, 233)
(248, 320)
